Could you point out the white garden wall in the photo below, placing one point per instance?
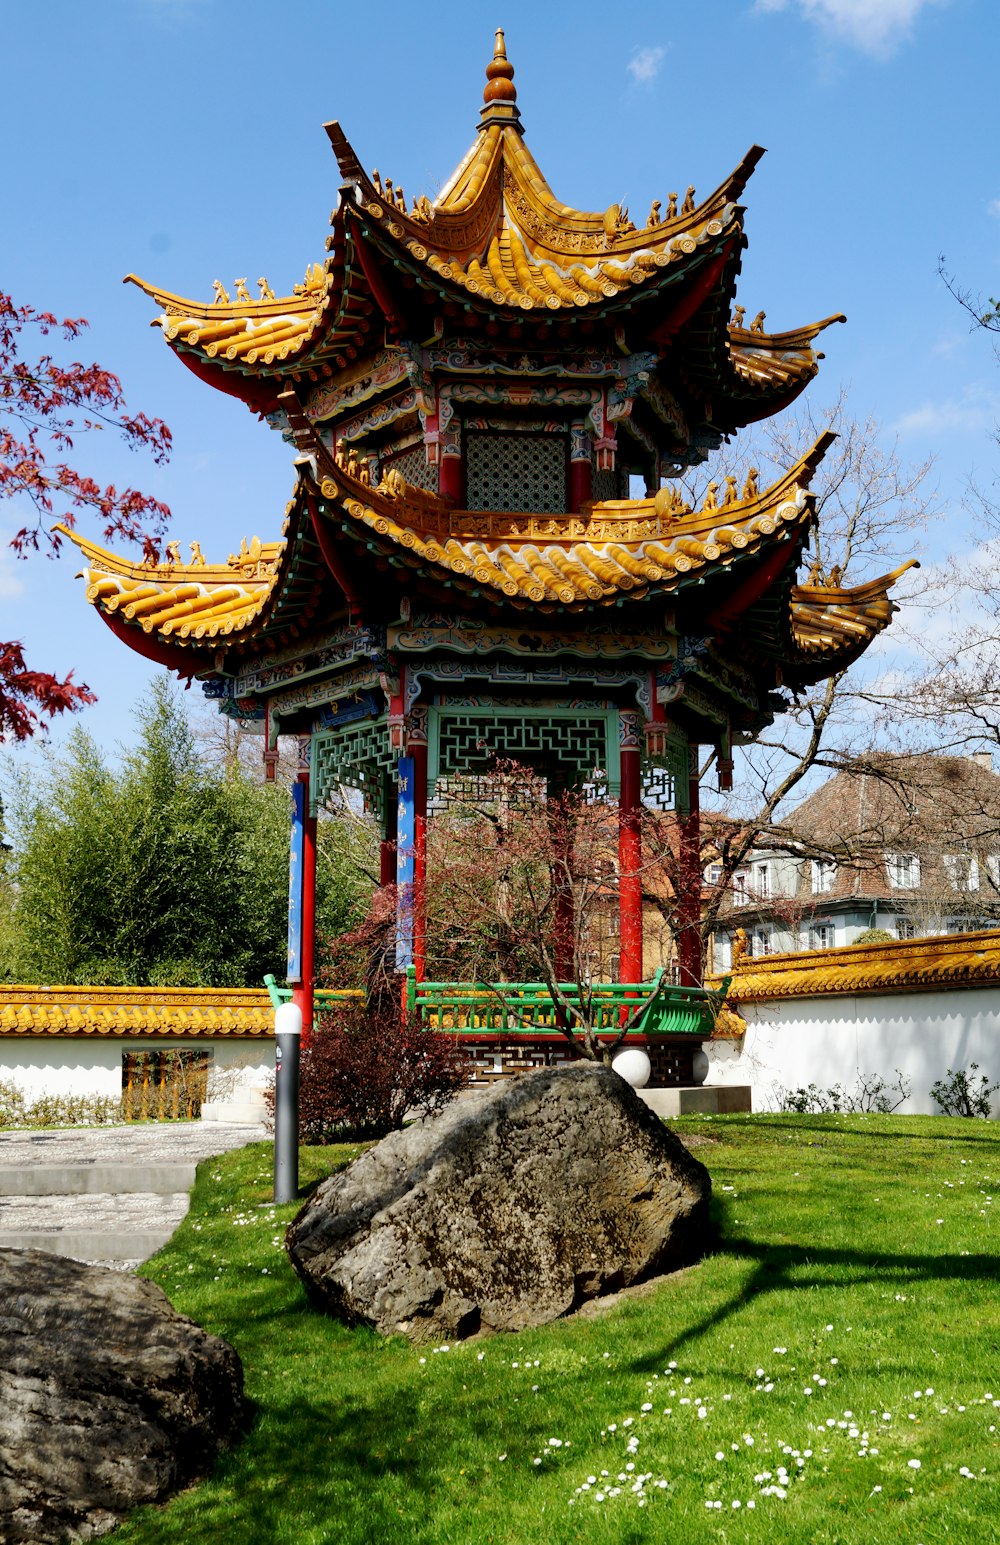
(835, 1038)
(88, 1065)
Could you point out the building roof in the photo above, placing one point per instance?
(498, 244)
(927, 805)
(126, 1012)
(611, 552)
(911, 965)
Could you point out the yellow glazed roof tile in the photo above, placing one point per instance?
(619, 547)
(187, 603)
(143, 1012)
(956, 960)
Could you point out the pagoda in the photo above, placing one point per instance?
(469, 383)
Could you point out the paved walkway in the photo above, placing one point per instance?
(109, 1195)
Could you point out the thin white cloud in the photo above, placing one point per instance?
(876, 27)
(972, 412)
(11, 584)
(993, 207)
(644, 64)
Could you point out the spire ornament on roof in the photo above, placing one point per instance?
(500, 93)
(500, 74)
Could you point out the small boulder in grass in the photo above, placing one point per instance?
(504, 1212)
(108, 1397)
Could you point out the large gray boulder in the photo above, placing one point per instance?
(505, 1211)
(108, 1397)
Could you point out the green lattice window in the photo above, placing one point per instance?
(414, 468)
(464, 742)
(355, 757)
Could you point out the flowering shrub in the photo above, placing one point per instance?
(367, 1068)
(56, 1110)
(870, 1093)
(961, 1094)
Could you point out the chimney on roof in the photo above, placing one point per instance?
(983, 759)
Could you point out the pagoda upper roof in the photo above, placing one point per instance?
(497, 236)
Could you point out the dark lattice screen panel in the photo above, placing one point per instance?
(516, 472)
(609, 485)
(413, 466)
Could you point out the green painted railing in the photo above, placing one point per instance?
(323, 997)
(526, 1008)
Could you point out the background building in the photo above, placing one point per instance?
(907, 844)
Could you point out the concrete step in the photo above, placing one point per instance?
(95, 1179)
(93, 1226)
(108, 1195)
(93, 1246)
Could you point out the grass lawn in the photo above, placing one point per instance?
(831, 1372)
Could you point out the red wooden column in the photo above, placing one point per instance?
(689, 900)
(302, 992)
(418, 751)
(630, 852)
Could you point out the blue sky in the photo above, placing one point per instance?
(182, 139)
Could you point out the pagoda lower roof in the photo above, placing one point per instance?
(823, 623)
(614, 552)
(611, 549)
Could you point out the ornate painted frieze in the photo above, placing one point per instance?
(468, 636)
(342, 647)
(317, 694)
(388, 368)
(377, 417)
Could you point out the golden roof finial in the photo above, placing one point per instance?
(499, 75)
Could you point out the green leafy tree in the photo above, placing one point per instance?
(169, 871)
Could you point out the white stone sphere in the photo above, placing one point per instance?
(634, 1066)
(700, 1066)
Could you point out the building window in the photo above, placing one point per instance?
(903, 870)
(741, 888)
(962, 871)
(762, 879)
(615, 968)
(713, 874)
(822, 936)
(904, 929)
(762, 942)
(824, 872)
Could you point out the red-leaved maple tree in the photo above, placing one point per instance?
(44, 406)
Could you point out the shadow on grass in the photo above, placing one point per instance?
(783, 1268)
(979, 1132)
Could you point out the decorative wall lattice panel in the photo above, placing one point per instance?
(358, 757)
(609, 485)
(561, 743)
(516, 472)
(414, 468)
